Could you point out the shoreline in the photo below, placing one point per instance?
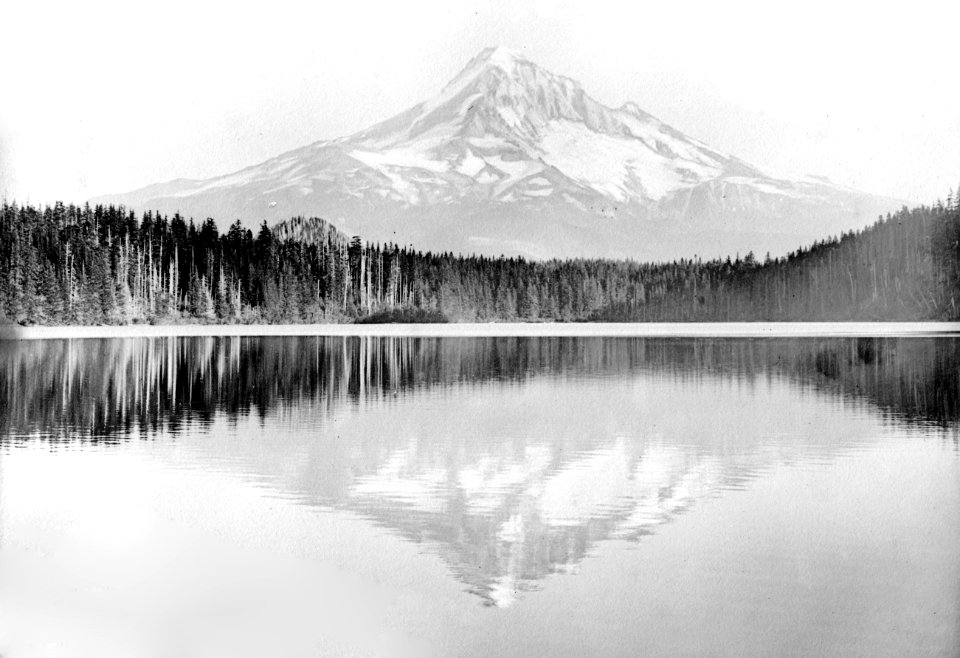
(502, 329)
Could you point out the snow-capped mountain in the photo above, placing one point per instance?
(510, 158)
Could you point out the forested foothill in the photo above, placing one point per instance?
(67, 264)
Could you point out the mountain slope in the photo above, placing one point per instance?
(510, 158)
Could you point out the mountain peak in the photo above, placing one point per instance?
(512, 158)
(501, 57)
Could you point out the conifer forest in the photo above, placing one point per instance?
(67, 264)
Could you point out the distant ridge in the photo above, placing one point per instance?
(511, 158)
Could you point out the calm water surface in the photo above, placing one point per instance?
(479, 496)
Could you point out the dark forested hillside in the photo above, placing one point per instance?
(104, 265)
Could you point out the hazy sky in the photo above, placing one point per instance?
(100, 97)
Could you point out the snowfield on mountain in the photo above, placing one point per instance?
(512, 159)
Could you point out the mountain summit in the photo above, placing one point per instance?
(511, 158)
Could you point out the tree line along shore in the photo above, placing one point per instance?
(106, 265)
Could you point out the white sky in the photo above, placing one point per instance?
(99, 97)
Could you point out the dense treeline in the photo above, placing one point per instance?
(904, 267)
(105, 265)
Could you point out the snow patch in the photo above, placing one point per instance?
(504, 58)
(510, 117)
(408, 158)
(471, 165)
(767, 186)
(516, 170)
(616, 166)
(487, 142)
(393, 162)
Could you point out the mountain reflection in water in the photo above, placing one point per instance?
(416, 434)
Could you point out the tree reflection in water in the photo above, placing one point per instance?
(504, 512)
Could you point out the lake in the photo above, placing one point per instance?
(308, 496)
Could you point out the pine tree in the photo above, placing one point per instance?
(208, 312)
(223, 297)
(236, 303)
